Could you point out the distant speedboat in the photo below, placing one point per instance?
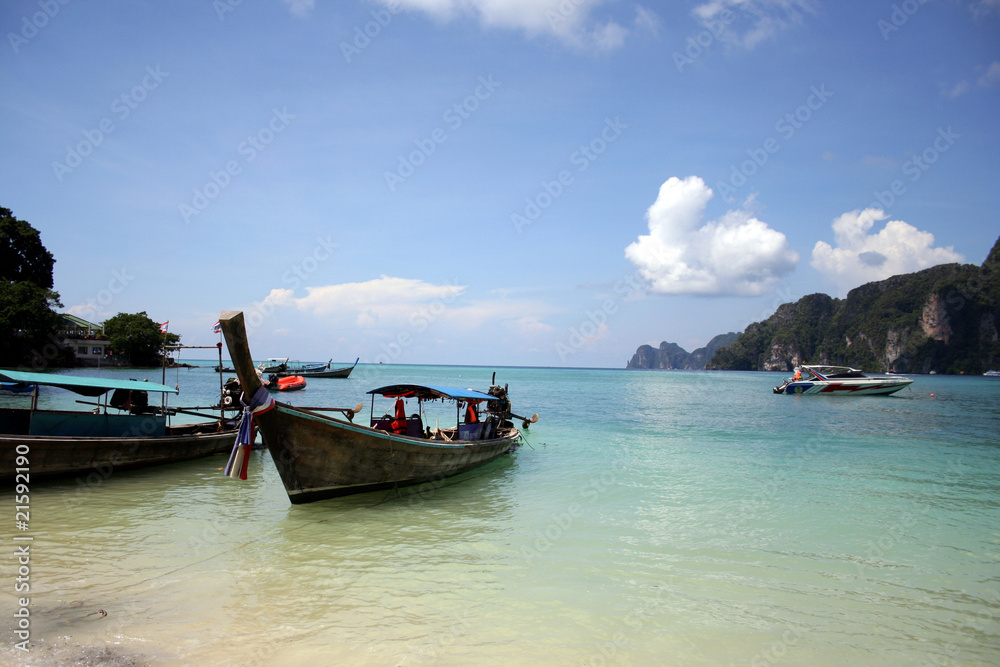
(992, 374)
(840, 381)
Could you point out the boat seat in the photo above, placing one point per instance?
(415, 426)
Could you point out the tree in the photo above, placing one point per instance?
(23, 258)
(28, 320)
(138, 337)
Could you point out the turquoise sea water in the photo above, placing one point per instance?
(675, 518)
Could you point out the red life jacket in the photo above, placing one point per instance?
(398, 425)
(470, 414)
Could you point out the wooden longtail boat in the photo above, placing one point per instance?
(57, 443)
(319, 457)
(326, 372)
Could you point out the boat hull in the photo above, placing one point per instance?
(322, 373)
(65, 456)
(319, 457)
(875, 387)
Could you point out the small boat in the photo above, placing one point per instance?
(319, 456)
(312, 370)
(121, 433)
(331, 372)
(840, 381)
(286, 383)
(992, 374)
(272, 365)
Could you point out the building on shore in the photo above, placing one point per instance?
(85, 339)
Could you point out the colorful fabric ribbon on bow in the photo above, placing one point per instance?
(240, 457)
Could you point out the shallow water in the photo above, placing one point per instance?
(655, 517)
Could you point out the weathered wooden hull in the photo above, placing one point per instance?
(319, 457)
(66, 456)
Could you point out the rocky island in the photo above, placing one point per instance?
(942, 319)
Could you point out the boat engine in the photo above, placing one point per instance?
(502, 406)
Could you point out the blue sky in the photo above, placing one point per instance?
(497, 182)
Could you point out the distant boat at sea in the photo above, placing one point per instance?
(992, 374)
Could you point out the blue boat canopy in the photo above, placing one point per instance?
(86, 386)
(429, 392)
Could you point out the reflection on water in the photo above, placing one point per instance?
(678, 518)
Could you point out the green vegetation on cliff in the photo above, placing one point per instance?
(941, 319)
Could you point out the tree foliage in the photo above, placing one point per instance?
(28, 320)
(23, 258)
(137, 337)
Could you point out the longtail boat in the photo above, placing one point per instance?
(320, 456)
(122, 433)
(323, 371)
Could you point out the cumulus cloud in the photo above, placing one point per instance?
(754, 21)
(736, 254)
(569, 21)
(385, 300)
(861, 257)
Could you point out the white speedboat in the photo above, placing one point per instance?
(840, 381)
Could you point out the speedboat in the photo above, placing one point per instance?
(840, 381)
(992, 374)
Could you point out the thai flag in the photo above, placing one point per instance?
(217, 328)
(163, 327)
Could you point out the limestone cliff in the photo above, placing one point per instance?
(941, 319)
(672, 356)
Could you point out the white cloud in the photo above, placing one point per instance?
(759, 20)
(568, 20)
(647, 20)
(956, 90)
(992, 75)
(385, 300)
(983, 8)
(736, 254)
(300, 8)
(861, 257)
